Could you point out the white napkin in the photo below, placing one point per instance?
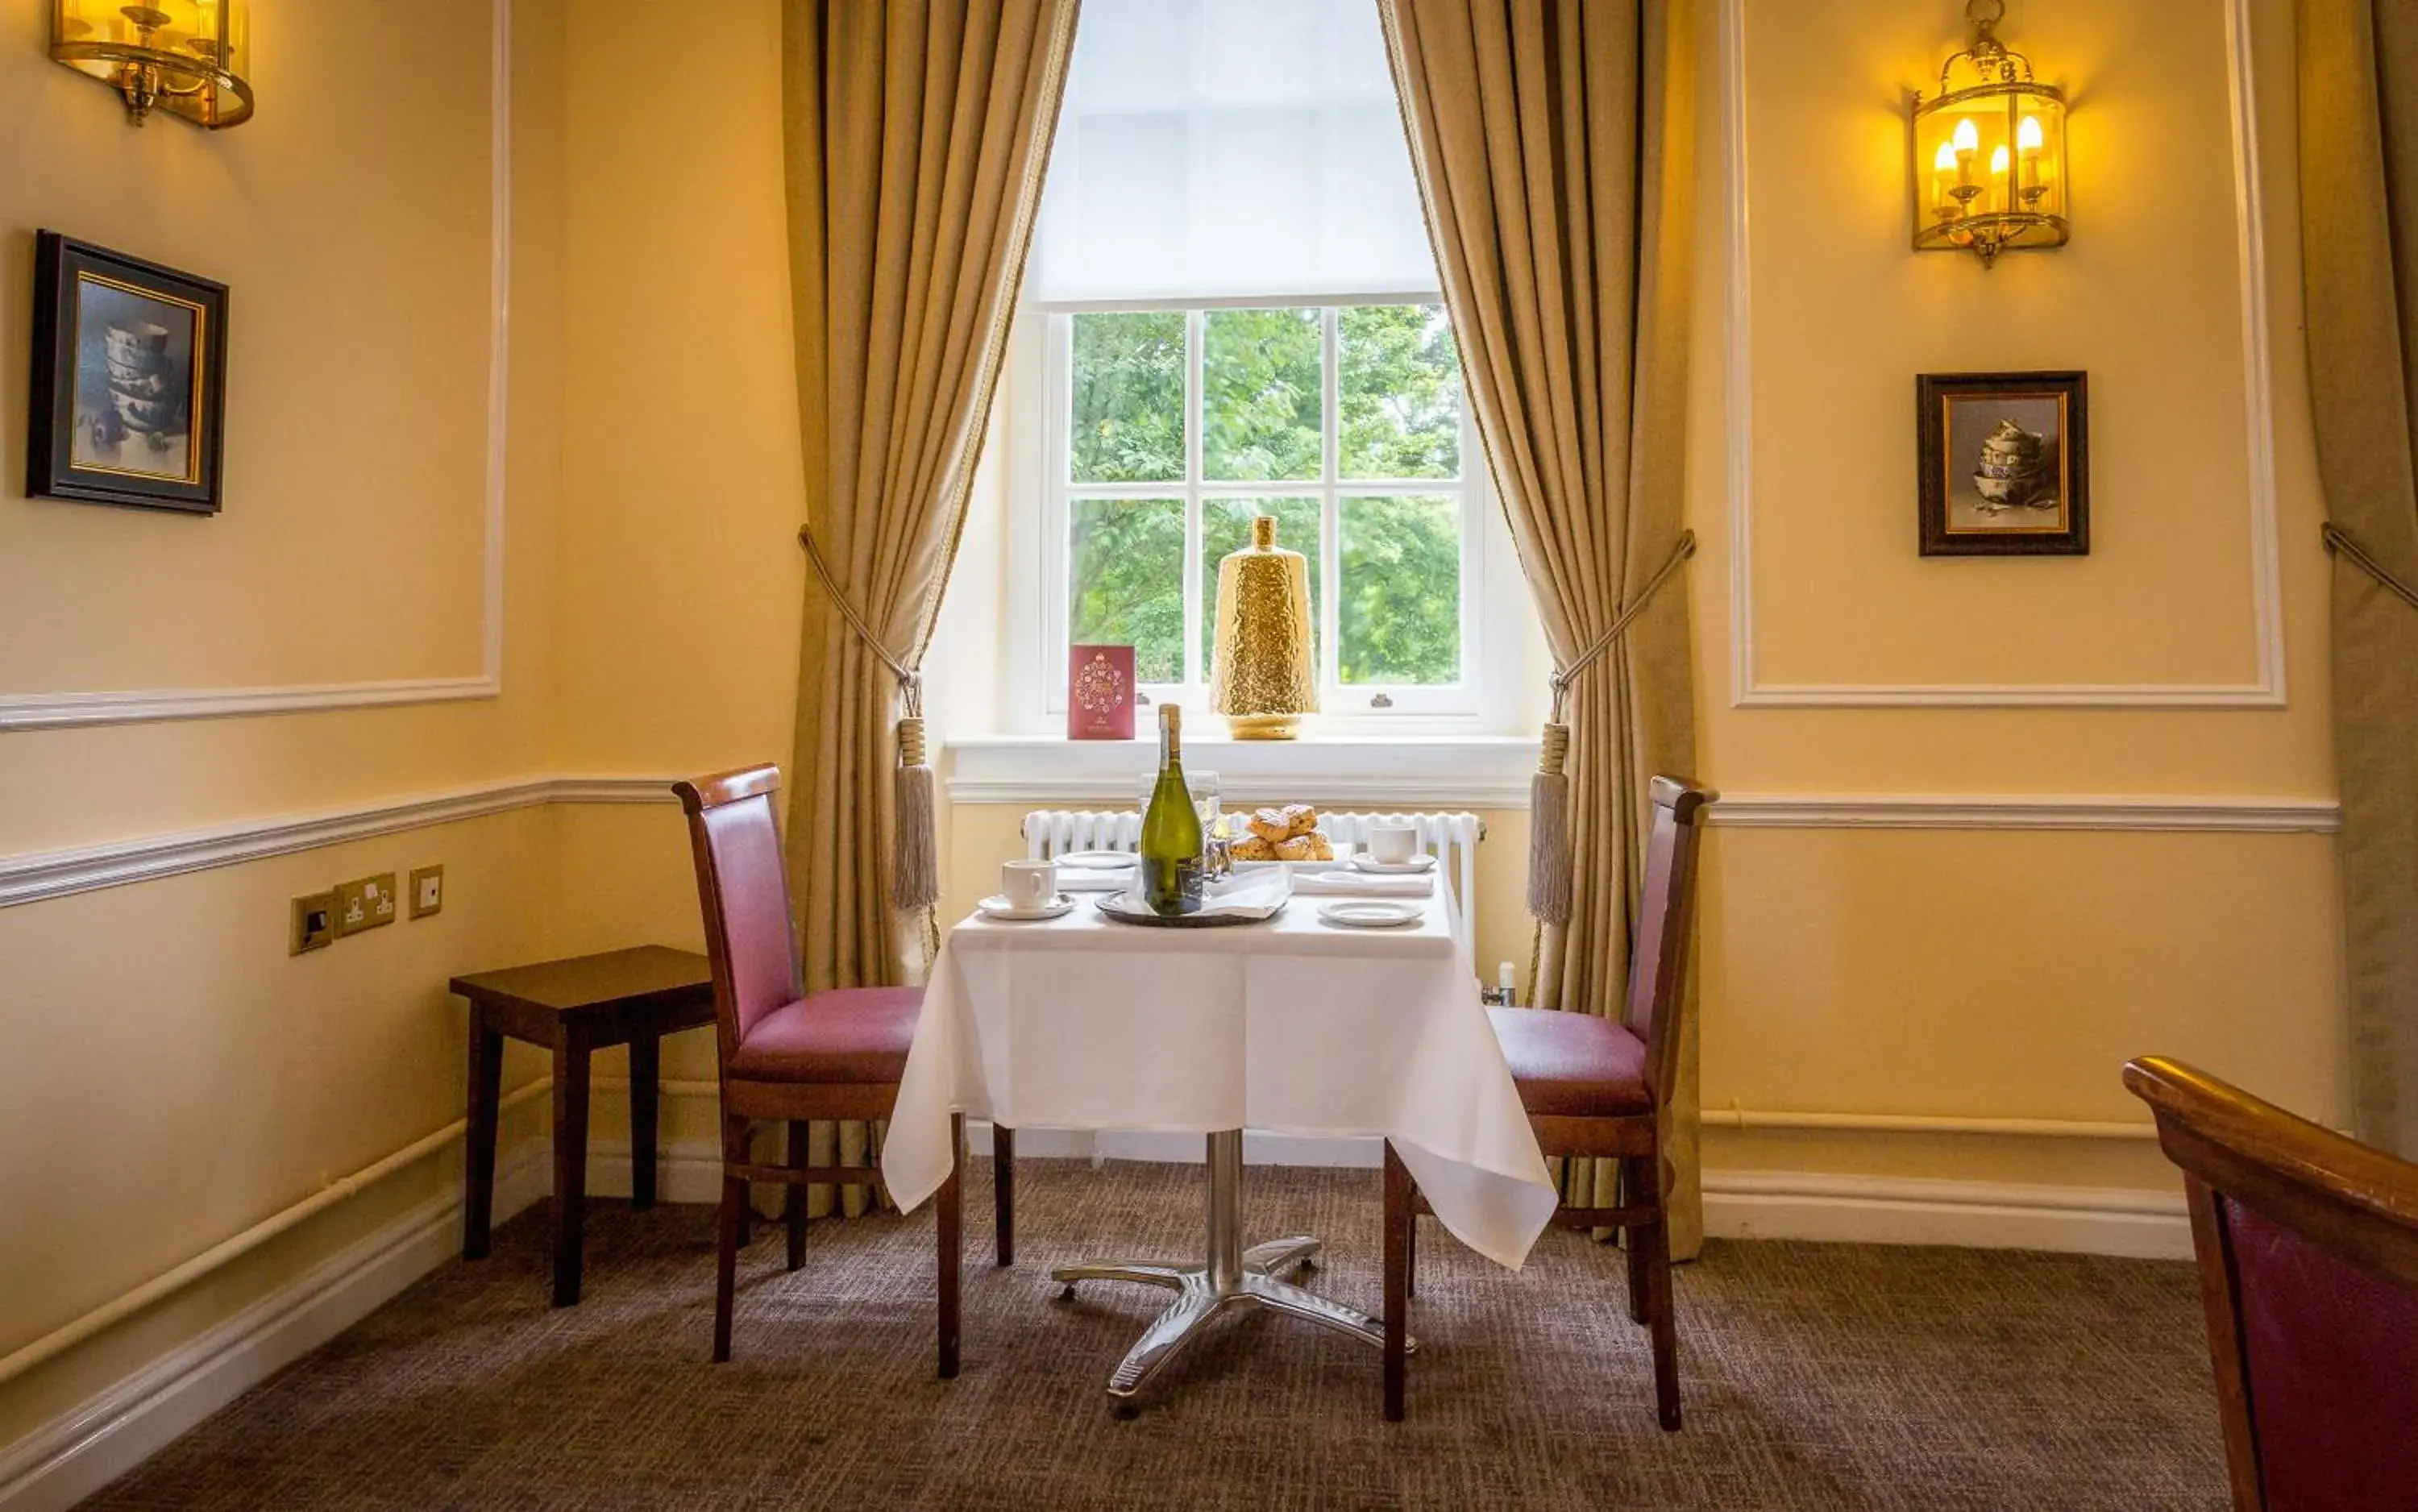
(1365, 884)
(1094, 878)
(1256, 895)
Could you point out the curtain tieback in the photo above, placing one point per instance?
(1549, 790)
(915, 858)
(2340, 541)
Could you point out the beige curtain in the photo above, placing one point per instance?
(917, 133)
(2358, 213)
(1553, 140)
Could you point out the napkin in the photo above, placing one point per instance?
(1364, 885)
(1094, 878)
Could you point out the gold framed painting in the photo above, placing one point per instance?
(2003, 464)
(129, 381)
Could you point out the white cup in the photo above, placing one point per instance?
(1029, 884)
(1391, 845)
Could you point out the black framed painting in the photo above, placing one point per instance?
(2002, 461)
(129, 381)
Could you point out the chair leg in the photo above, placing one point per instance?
(1398, 1221)
(1654, 1239)
(734, 1199)
(794, 1213)
(1411, 1254)
(1002, 1189)
(1632, 1183)
(952, 1226)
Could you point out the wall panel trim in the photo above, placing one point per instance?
(35, 876)
(55, 710)
(2046, 811)
(2265, 585)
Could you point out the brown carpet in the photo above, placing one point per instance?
(1815, 1376)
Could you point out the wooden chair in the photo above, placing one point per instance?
(2308, 1270)
(1595, 1086)
(794, 1057)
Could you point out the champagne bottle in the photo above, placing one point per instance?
(1171, 828)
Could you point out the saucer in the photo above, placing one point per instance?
(1369, 913)
(1096, 861)
(996, 907)
(1364, 862)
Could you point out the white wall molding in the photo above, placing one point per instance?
(87, 1447)
(1880, 1210)
(1448, 772)
(2052, 811)
(53, 710)
(2266, 691)
(35, 876)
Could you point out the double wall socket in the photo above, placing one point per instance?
(365, 904)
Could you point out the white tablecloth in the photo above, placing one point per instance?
(1290, 1026)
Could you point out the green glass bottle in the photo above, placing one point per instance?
(1171, 828)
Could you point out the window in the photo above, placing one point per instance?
(1170, 428)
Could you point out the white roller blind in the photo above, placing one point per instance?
(1217, 148)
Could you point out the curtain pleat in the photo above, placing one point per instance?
(2358, 210)
(917, 133)
(1554, 141)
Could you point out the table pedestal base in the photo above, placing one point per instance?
(1232, 1277)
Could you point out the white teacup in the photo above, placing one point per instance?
(1391, 845)
(1029, 884)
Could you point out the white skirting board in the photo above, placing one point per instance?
(85, 1449)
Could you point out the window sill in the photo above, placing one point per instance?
(1469, 772)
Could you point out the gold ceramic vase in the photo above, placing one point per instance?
(1264, 680)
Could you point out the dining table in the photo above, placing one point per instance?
(1292, 1025)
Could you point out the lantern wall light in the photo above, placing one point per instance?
(188, 57)
(1987, 152)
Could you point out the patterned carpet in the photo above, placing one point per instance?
(1815, 1376)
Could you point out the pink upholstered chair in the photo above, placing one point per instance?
(1595, 1086)
(792, 1057)
(2308, 1269)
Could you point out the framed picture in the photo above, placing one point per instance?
(129, 381)
(2003, 464)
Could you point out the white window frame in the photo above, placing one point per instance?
(1492, 601)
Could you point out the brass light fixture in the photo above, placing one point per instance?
(1987, 153)
(187, 57)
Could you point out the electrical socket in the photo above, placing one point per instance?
(427, 891)
(313, 925)
(365, 904)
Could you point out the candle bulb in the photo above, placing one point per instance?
(2029, 138)
(1966, 142)
(1998, 163)
(1943, 178)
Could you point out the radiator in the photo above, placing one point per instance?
(1450, 838)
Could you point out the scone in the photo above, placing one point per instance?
(1310, 847)
(1253, 847)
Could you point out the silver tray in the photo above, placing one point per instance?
(1113, 906)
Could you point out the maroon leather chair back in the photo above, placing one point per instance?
(743, 890)
(2308, 1254)
(1657, 968)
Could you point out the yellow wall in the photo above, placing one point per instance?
(2004, 974)
(173, 1076)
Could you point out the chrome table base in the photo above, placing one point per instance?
(1232, 1277)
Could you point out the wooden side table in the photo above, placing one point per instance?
(573, 1008)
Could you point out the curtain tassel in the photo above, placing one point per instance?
(915, 871)
(1549, 834)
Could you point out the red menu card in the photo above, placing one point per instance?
(1100, 693)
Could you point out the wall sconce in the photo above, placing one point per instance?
(184, 56)
(1988, 151)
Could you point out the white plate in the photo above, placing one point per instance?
(996, 907)
(1393, 868)
(1096, 861)
(1371, 913)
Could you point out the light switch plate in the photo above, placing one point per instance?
(427, 891)
(365, 904)
(313, 925)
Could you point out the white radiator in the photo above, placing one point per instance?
(1451, 838)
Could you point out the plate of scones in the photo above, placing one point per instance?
(1286, 834)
